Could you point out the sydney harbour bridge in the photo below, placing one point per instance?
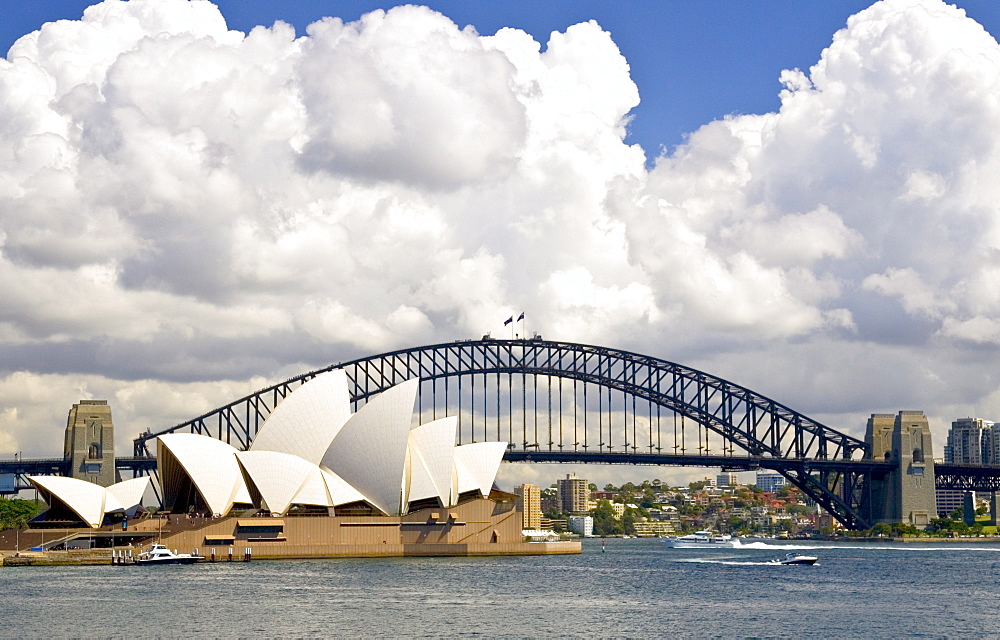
(574, 403)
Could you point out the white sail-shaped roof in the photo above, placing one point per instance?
(431, 461)
(370, 450)
(87, 500)
(129, 493)
(284, 480)
(210, 464)
(340, 491)
(476, 465)
(278, 477)
(314, 490)
(306, 422)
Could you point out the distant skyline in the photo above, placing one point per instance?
(192, 208)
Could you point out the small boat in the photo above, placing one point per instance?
(160, 554)
(699, 540)
(794, 558)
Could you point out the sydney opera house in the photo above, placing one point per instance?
(317, 481)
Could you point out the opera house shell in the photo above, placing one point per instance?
(318, 481)
(78, 500)
(312, 455)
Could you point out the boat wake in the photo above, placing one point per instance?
(737, 544)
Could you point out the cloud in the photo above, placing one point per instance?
(407, 97)
(184, 207)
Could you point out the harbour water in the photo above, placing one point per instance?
(637, 588)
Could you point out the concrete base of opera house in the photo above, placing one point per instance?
(480, 527)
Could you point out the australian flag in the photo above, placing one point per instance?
(508, 321)
(520, 317)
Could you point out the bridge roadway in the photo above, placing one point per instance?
(22, 468)
(961, 477)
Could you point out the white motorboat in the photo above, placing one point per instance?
(794, 558)
(699, 540)
(160, 554)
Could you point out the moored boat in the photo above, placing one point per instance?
(160, 554)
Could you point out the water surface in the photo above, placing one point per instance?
(637, 588)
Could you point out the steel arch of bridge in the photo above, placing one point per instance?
(472, 378)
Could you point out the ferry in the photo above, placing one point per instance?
(699, 540)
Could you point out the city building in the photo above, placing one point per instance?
(726, 480)
(583, 525)
(948, 501)
(529, 503)
(653, 528)
(550, 500)
(970, 441)
(770, 481)
(574, 494)
(555, 524)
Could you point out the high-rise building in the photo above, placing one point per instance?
(726, 480)
(769, 481)
(529, 503)
(971, 441)
(574, 494)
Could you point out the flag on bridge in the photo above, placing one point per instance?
(508, 321)
(520, 317)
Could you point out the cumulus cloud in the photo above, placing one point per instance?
(182, 204)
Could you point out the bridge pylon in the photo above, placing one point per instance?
(89, 444)
(906, 494)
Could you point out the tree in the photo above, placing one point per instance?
(15, 513)
(605, 521)
(797, 509)
(939, 525)
(628, 522)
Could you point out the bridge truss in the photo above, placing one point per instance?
(566, 402)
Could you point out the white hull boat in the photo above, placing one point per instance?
(160, 554)
(700, 540)
(794, 558)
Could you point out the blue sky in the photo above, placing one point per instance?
(692, 61)
(186, 216)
